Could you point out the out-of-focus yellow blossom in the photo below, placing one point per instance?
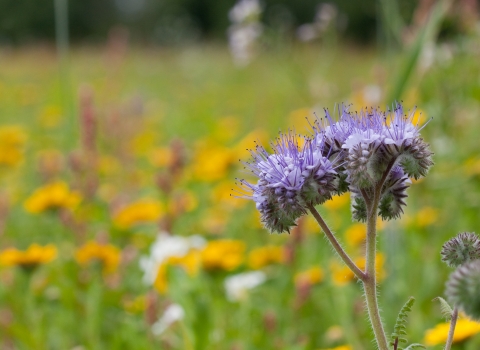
(212, 162)
(464, 329)
(342, 347)
(222, 194)
(108, 255)
(301, 118)
(33, 256)
(342, 275)
(337, 202)
(12, 142)
(224, 254)
(142, 211)
(161, 157)
(472, 166)
(190, 262)
(50, 116)
(160, 283)
(263, 256)
(136, 305)
(248, 142)
(52, 196)
(108, 165)
(226, 129)
(355, 235)
(309, 277)
(419, 117)
(311, 225)
(426, 216)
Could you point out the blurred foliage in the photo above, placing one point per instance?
(178, 21)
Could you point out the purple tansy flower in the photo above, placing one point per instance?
(289, 179)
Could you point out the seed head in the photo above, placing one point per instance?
(461, 249)
(463, 288)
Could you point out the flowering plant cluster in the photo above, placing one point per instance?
(372, 154)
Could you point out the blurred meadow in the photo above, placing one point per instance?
(119, 222)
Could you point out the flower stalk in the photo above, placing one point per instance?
(451, 331)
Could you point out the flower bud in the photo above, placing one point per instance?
(461, 249)
(463, 289)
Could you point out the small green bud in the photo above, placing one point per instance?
(461, 249)
(463, 289)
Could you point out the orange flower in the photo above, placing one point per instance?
(107, 254)
(32, 257)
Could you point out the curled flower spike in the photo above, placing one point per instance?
(377, 147)
(291, 178)
(463, 288)
(461, 249)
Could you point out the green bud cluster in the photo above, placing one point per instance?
(463, 248)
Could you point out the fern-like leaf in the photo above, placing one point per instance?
(399, 331)
(445, 308)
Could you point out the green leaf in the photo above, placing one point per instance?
(445, 308)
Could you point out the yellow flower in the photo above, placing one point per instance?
(224, 254)
(355, 235)
(342, 347)
(212, 162)
(241, 149)
(337, 202)
(190, 262)
(464, 329)
(142, 211)
(161, 157)
(264, 256)
(342, 275)
(107, 254)
(52, 196)
(160, 282)
(309, 277)
(472, 166)
(50, 116)
(222, 194)
(427, 216)
(301, 117)
(12, 142)
(33, 256)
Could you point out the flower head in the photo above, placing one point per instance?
(30, 258)
(463, 288)
(138, 212)
(291, 178)
(107, 254)
(461, 249)
(52, 196)
(464, 329)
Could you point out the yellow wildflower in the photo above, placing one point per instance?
(224, 254)
(264, 256)
(472, 166)
(160, 282)
(108, 165)
(143, 142)
(33, 256)
(107, 254)
(342, 275)
(337, 202)
(212, 162)
(427, 216)
(12, 142)
(309, 277)
(222, 194)
(248, 142)
(142, 211)
(464, 329)
(52, 196)
(301, 117)
(356, 234)
(342, 347)
(161, 157)
(190, 262)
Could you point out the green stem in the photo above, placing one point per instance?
(370, 283)
(336, 245)
(453, 323)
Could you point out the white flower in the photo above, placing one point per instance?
(237, 286)
(172, 314)
(244, 10)
(164, 247)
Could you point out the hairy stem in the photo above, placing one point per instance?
(336, 245)
(453, 323)
(370, 283)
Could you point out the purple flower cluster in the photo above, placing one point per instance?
(356, 152)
